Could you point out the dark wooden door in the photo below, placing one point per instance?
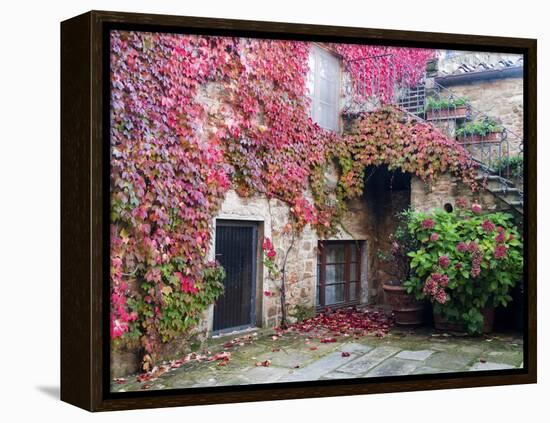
(236, 244)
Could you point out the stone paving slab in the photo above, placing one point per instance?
(366, 362)
(450, 361)
(288, 359)
(491, 366)
(393, 367)
(415, 355)
(320, 367)
(264, 374)
(423, 370)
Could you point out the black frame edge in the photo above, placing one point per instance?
(82, 195)
(76, 301)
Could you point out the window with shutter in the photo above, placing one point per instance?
(324, 88)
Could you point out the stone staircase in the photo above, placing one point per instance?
(497, 147)
(509, 197)
(486, 152)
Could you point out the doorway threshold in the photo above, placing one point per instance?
(234, 331)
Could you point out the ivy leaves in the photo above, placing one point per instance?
(175, 155)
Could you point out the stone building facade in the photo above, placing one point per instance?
(365, 229)
(369, 221)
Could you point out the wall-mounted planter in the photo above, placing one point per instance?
(460, 112)
(491, 137)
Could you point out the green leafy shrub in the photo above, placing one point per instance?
(402, 241)
(466, 261)
(481, 128)
(183, 302)
(444, 103)
(513, 164)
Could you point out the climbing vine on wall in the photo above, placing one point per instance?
(377, 70)
(175, 155)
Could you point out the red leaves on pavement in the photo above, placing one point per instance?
(224, 356)
(325, 327)
(239, 341)
(144, 376)
(345, 322)
(153, 374)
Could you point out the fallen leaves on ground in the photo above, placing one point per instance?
(224, 355)
(343, 322)
(326, 327)
(239, 341)
(154, 374)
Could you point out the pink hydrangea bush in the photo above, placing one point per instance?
(474, 261)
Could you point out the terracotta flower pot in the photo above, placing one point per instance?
(450, 113)
(442, 324)
(491, 137)
(407, 310)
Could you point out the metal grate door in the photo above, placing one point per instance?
(236, 244)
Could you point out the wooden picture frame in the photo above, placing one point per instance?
(85, 214)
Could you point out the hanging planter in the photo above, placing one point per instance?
(450, 113)
(491, 137)
(484, 131)
(446, 109)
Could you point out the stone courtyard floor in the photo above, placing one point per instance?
(262, 356)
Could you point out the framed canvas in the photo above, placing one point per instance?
(256, 211)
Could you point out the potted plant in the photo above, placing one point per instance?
(446, 108)
(467, 262)
(485, 130)
(408, 311)
(509, 167)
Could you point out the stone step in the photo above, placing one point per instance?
(505, 191)
(495, 183)
(509, 195)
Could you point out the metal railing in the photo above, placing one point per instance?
(497, 149)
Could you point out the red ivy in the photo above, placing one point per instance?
(174, 157)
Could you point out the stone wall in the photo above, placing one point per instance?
(501, 99)
(446, 190)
